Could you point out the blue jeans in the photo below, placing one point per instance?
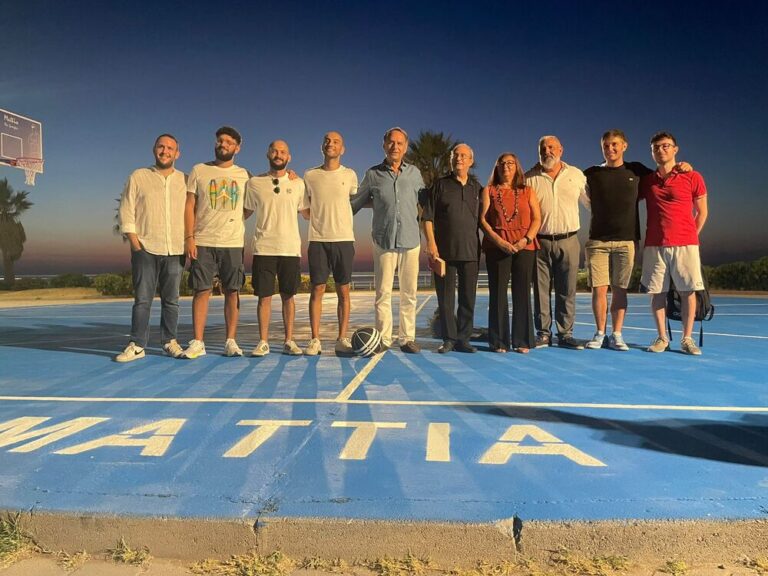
(151, 272)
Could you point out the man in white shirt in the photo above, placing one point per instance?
(331, 238)
(214, 233)
(152, 218)
(276, 200)
(559, 189)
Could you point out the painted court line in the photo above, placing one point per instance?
(417, 403)
(353, 385)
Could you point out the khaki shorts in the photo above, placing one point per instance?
(680, 263)
(610, 263)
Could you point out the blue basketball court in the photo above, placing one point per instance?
(554, 435)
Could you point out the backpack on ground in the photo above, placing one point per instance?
(705, 310)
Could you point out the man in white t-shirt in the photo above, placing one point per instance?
(331, 238)
(276, 201)
(214, 233)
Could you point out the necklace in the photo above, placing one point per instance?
(500, 202)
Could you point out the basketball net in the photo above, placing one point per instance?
(31, 167)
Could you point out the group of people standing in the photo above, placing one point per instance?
(529, 223)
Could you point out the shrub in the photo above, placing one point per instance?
(114, 284)
(71, 281)
(184, 289)
(26, 284)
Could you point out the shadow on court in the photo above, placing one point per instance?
(740, 442)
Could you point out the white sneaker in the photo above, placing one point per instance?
(132, 352)
(314, 347)
(291, 348)
(173, 349)
(343, 347)
(616, 342)
(262, 349)
(231, 348)
(597, 342)
(195, 349)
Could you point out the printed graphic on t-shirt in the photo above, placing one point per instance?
(223, 194)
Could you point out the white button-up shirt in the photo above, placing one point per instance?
(152, 207)
(559, 198)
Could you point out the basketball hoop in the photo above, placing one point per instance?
(31, 166)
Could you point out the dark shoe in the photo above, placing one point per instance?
(569, 342)
(543, 340)
(464, 347)
(446, 347)
(410, 347)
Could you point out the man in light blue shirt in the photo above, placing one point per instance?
(392, 188)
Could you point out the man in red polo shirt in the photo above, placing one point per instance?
(677, 210)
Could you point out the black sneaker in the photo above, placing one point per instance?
(447, 346)
(570, 342)
(464, 347)
(543, 340)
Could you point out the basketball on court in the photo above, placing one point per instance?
(366, 342)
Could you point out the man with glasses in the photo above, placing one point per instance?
(152, 218)
(393, 189)
(213, 238)
(331, 239)
(677, 210)
(451, 215)
(276, 199)
(559, 189)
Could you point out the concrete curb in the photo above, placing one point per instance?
(448, 544)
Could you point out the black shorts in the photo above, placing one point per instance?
(286, 269)
(327, 257)
(226, 263)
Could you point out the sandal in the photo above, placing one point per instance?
(522, 350)
(499, 350)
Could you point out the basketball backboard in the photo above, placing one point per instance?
(21, 143)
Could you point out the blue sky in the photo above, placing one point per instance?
(106, 77)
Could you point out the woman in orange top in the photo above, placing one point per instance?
(510, 219)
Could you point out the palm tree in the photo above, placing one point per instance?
(12, 236)
(430, 152)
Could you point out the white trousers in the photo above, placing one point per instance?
(406, 263)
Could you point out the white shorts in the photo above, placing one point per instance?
(680, 263)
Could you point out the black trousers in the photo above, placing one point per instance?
(519, 267)
(456, 325)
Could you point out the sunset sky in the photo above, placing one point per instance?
(106, 78)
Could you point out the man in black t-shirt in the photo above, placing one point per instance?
(450, 214)
(614, 231)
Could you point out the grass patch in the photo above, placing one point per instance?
(124, 554)
(595, 566)
(252, 564)
(487, 569)
(15, 542)
(410, 565)
(759, 565)
(675, 568)
(337, 565)
(72, 562)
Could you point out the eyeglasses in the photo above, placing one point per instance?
(666, 146)
(507, 164)
(276, 184)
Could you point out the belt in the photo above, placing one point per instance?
(555, 237)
